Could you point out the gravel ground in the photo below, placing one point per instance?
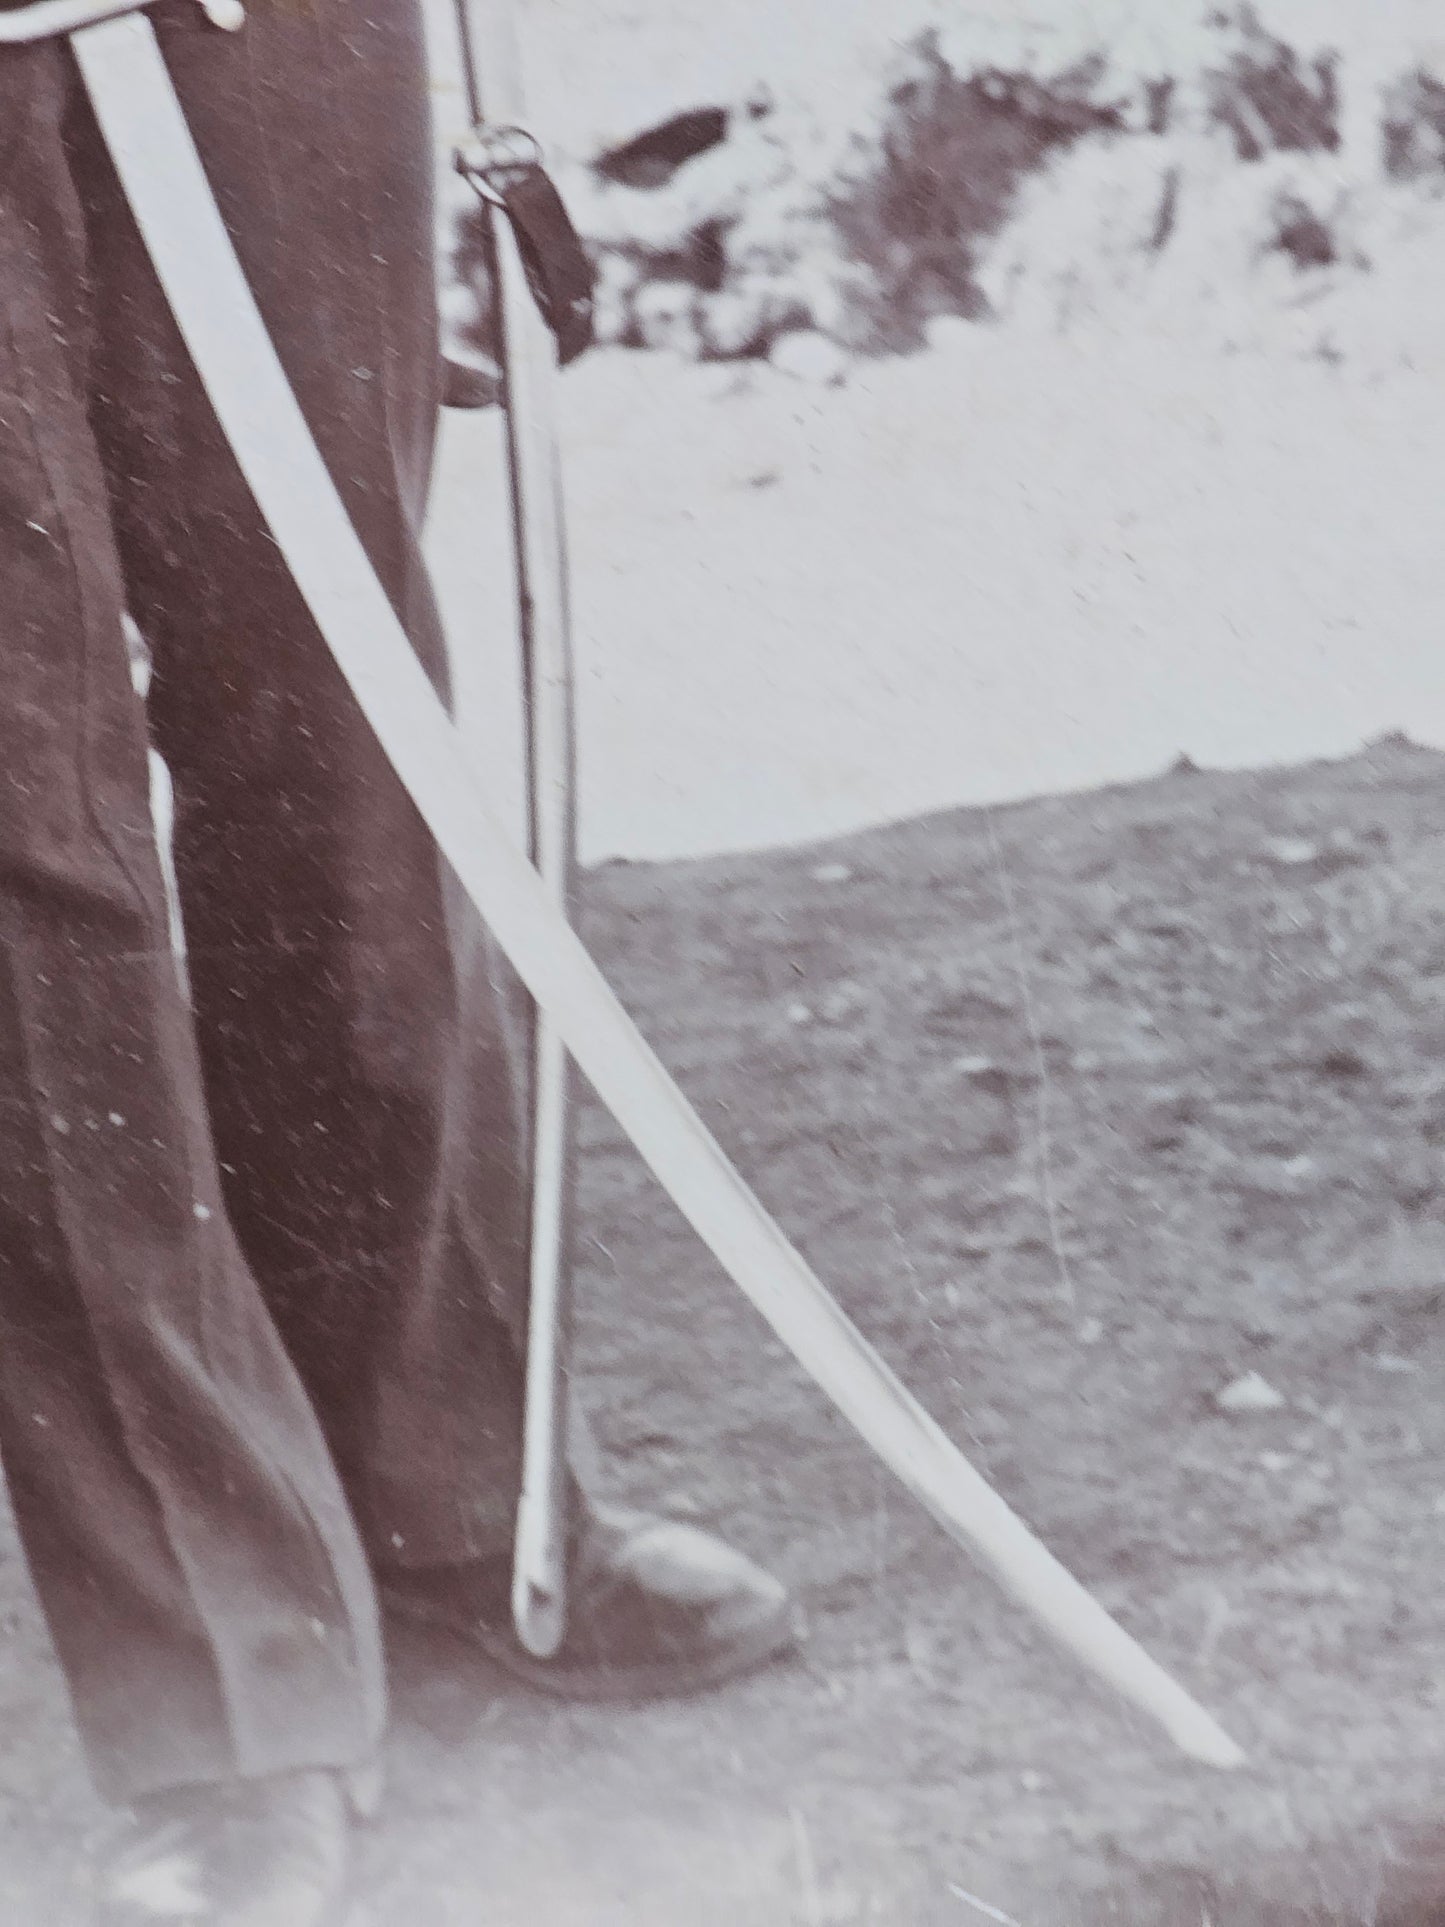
(1087, 1109)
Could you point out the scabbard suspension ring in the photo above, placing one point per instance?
(504, 167)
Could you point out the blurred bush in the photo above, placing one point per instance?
(1219, 174)
(949, 155)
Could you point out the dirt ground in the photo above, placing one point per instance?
(1086, 1108)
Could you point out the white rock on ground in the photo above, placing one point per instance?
(1248, 1395)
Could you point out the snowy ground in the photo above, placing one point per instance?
(1008, 566)
(598, 70)
(1020, 562)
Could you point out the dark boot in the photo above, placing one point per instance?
(655, 1608)
(272, 1852)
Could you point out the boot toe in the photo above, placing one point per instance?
(655, 1608)
(659, 1608)
(258, 1853)
(671, 1579)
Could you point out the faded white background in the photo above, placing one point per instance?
(1023, 560)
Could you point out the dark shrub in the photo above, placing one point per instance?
(1270, 99)
(954, 150)
(1414, 128)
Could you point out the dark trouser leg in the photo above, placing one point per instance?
(354, 1057)
(193, 1551)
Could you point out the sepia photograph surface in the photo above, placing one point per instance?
(722, 899)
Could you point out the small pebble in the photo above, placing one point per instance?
(842, 1002)
(1249, 1394)
(1291, 851)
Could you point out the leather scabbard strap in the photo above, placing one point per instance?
(503, 166)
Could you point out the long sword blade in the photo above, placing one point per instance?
(168, 191)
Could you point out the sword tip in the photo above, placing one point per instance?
(1208, 1743)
